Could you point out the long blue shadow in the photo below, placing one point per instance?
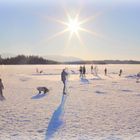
(57, 119)
(38, 96)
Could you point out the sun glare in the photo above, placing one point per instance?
(73, 25)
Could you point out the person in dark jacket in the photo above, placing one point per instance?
(1, 88)
(91, 69)
(120, 73)
(105, 70)
(64, 75)
(138, 78)
(84, 71)
(80, 70)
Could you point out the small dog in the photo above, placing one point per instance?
(44, 89)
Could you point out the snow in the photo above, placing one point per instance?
(96, 107)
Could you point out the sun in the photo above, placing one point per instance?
(73, 25)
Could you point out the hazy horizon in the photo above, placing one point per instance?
(103, 30)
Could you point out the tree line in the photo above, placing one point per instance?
(22, 59)
(104, 62)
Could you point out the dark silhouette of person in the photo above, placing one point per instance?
(84, 71)
(80, 70)
(120, 73)
(91, 69)
(1, 90)
(138, 77)
(105, 71)
(64, 75)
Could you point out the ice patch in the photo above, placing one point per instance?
(97, 77)
(131, 76)
(127, 90)
(112, 138)
(24, 79)
(84, 81)
(100, 92)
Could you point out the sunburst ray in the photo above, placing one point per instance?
(90, 32)
(80, 40)
(69, 39)
(90, 18)
(57, 34)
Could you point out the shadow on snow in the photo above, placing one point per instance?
(57, 119)
(38, 96)
(84, 80)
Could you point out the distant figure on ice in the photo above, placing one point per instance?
(80, 70)
(1, 92)
(37, 71)
(84, 71)
(105, 71)
(64, 76)
(120, 73)
(138, 77)
(91, 69)
(95, 70)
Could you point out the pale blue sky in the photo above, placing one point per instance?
(25, 28)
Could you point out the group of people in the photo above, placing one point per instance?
(82, 71)
(94, 71)
(64, 77)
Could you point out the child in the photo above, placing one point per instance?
(1, 88)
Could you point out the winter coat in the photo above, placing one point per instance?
(63, 75)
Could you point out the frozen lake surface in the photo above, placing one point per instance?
(96, 107)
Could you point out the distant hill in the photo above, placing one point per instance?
(62, 58)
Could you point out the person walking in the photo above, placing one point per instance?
(95, 70)
(64, 76)
(105, 71)
(91, 69)
(1, 90)
(138, 78)
(84, 71)
(80, 70)
(120, 73)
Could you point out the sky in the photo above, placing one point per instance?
(36, 27)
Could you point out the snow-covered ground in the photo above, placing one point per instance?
(96, 108)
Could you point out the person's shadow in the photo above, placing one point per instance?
(57, 120)
(2, 98)
(38, 96)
